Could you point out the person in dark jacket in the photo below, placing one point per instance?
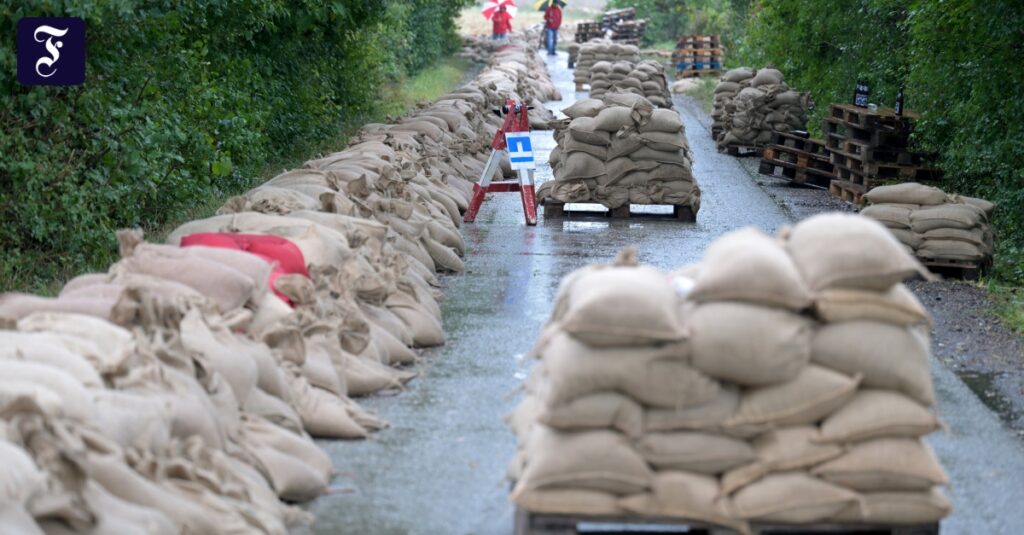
(502, 23)
(552, 21)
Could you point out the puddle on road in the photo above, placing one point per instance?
(983, 386)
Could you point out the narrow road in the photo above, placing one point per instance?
(440, 468)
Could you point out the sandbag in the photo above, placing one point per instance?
(885, 464)
(960, 216)
(588, 107)
(847, 251)
(900, 508)
(701, 453)
(877, 414)
(602, 461)
(602, 410)
(707, 416)
(898, 306)
(792, 497)
(888, 356)
(780, 450)
(569, 501)
(598, 302)
(747, 344)
(815, 393)
(655, 376)
(907, 193)
(684, 495)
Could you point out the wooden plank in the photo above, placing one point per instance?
(562, 524)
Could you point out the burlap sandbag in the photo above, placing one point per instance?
(569, 501)
(987, 207)
(792, 497)
(906, 193)
(747, 344)
(47, 348)
(598, 305)
(614, 118)
(848, 251)
(885, 464)
(780, 450)
(684, 495)
(585, 130)
(701, 453)
(974, 236)
(708, 416)
(747, 265)
(656, 376)
(908, 237)
(738, 74)
(571, 145)
(814, 394)
(877, 414)
(665, 141)
(961, 216)
(20, 478)
(950, 250)
(603, 461)
(898, 306)
(580, 165)
(588, 107)
(603, 410)
(900, 508)
(888, 356)
(76, 403)
(889, 215)
(663, 120)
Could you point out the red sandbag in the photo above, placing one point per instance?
(285, 255)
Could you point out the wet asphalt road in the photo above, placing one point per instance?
(439, 468)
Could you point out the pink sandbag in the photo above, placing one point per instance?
(286, 256)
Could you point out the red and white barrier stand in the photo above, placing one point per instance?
(514, 139)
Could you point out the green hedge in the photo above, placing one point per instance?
(185, 102)
(960, 62)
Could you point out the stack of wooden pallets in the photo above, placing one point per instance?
(698, 55)
(586, 31)
(799, 159)
(869, 148)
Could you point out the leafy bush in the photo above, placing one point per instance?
(184, 102)
(959, 61)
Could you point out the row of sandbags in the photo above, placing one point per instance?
(598, 50)
(751, 104)
(780, 380)
(646, 78)
(179, 391)
(932, 224)
(621, 150)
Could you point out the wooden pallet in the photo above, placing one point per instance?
(527, 523)
(740, 150)
(895, 155)
(806, 144)
(957, 269)
(885, 170)
(801, 176)
(841, 131)
(798, 157)
(865, 118)
(848, 191)
(556, 210)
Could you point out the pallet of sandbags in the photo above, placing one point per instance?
(950, 234)
(749, 105)
(645, 78)
(619, 151)
(601, 51)
(779, 381)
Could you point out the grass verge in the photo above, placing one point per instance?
(1009, 305)
(703, 91)
(396, 99)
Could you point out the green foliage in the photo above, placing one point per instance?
(185, 102)
(959, 61)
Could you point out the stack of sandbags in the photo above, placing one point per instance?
(646, 79)
(779, 381)
(751, 104)
(933, 225)
(179, 391)
(621, 151)
(601, 50)
(574, 53)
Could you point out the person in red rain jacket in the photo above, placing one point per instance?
(552, 21)
(502, 23)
